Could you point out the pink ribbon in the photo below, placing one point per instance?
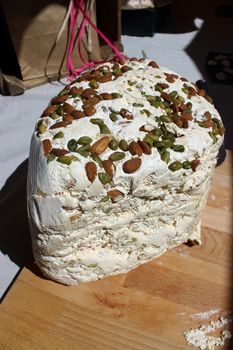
(76, 8)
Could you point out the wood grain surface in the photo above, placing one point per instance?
(147, 308)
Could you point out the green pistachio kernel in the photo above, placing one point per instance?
(84, 150)
(217, 122)
(165, 119)
(165, 156)
(148, 113)
(189, 105)
(131, 83)
(123, 145)
(186, 165)
(77, 96)
(180, 99)
(170, 136)
(92, 265)
(168, 111)
(59, 135)
(104, 199)
(104, 129)
(84, 140)
(185, 90)
(117, 72)
(64, 92)
(97, 159)
(178, 148)
(113, 116)
(148, 139)
(155, 104)
(173, 94)
(50, 158)
(97, 121)
(72, 145)
(60, 110)
(66, 159)
(113, 144)
(175, 166)
(104, 178)
(93, 84)
(158, 144)
(107, 211)
(150, 98)
(135, 104)
(158, 88)
(41, 128)
(168, 143)
(116, 95)
(134, 239)
(54, 115)
(164, 130)
(214, 138)
(158, 131)
(115, 156)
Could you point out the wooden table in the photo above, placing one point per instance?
(147, 308)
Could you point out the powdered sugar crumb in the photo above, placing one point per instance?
(198, 337)
(205, 315)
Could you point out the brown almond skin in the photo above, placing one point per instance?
(67, 108)
(88, 93)
(68, 118)
(92, 101)
(100, 146)
(106, 96)
(153, 64)
(91, 171)
(49, 110)
(194, 164)
(60, 99)
(135, 148)
(163, 85)
(126, 114)
(166, 97)
(125, 69)
(132, 165)
(115, 66)
(201, 92)
(47, 146)
(105, 79)
(208, 115)
(192, 92)
(109, 167)
(185, 124)
(78, 114)
(121, 61)
(145, 147)
(208, 123)
(113, 194)
(183, 107)
(59, 152)
(89, 111)
(177, 121)
(75, 90)
(59, 125)
(175, 107)
(186, 116)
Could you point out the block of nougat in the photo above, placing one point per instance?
(120, 167)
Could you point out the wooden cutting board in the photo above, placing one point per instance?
(147, 308)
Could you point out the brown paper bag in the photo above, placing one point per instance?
(33, 27)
